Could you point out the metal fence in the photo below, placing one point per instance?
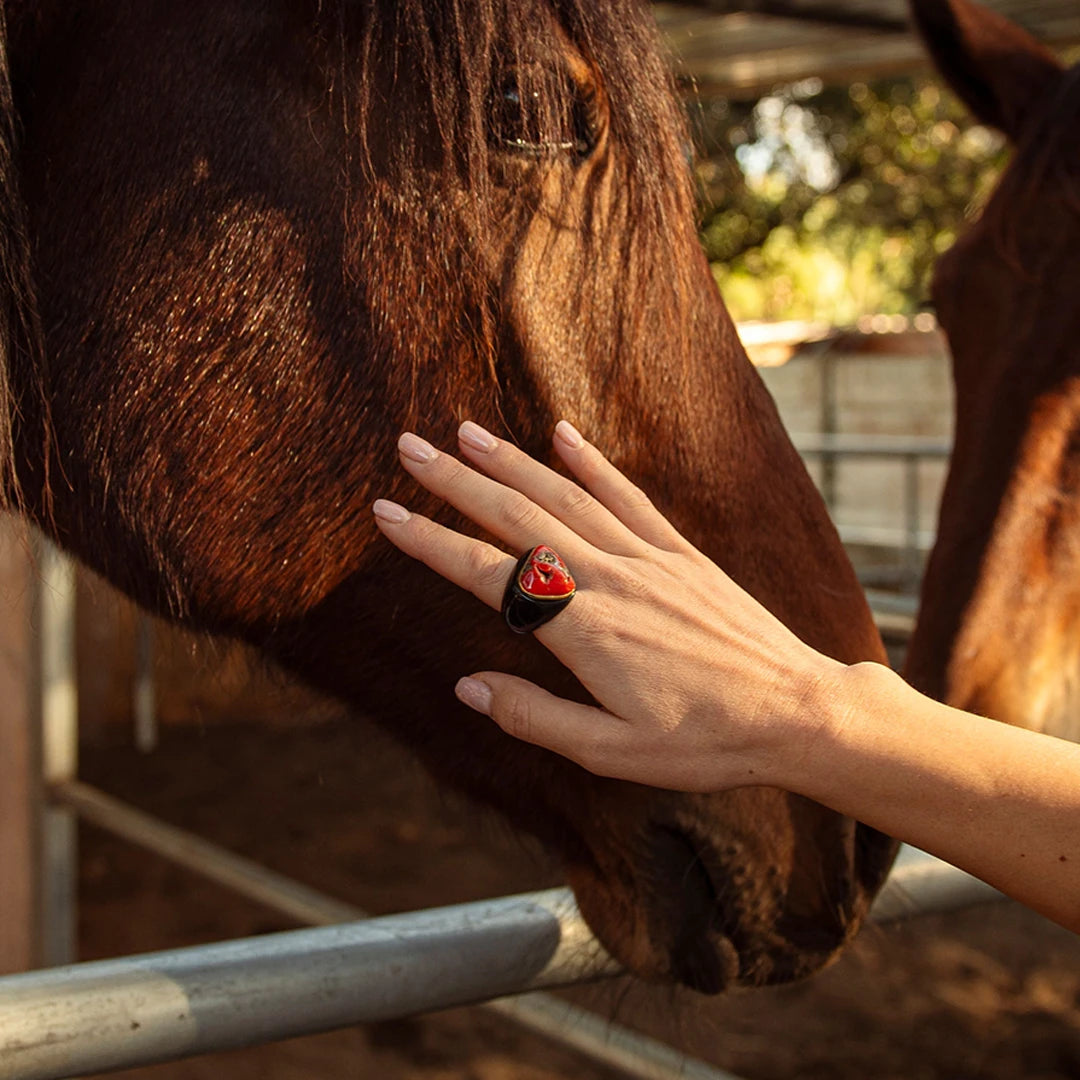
(913, 540)
(162, 1006)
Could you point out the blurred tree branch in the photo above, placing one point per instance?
(831, 202)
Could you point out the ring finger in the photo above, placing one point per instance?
(475, 565)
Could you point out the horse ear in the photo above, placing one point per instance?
(998, 69)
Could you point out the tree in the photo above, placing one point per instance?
(829, 203)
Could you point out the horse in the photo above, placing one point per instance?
(998, 630)
(248, 242)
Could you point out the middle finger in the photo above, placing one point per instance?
(566, 500)
(501, 510)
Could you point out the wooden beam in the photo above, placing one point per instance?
(741, 49)
(830, 12)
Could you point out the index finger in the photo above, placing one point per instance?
(475, 565)
(501, 509)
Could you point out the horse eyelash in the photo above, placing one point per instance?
(583, 116)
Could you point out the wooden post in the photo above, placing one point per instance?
(21, 804)
(143, 697)
(58, 712)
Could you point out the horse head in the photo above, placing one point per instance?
(997, 625)
(268, 237)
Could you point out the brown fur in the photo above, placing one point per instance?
(267, 237)
(998, 629)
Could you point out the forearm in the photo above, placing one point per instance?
(997, 801)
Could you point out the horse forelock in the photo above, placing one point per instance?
(456, 50)
(448, 57)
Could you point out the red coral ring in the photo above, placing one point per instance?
(539, 588)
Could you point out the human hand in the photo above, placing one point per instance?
(702, 689)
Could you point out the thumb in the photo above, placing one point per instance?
(524, 710)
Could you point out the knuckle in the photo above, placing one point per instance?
(424, 532)
(594, 753)
(516, 718)
(575, 502)
(627, 582)
(518, 514)
(453, 472)
(483, 570)
(636, 500)
(595, 623)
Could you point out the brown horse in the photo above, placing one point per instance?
(262, 237)
(999, 626)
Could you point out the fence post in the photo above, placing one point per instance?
(59, 752)
(143, 698)
(20, 756)
(912, 521)
(829, 424)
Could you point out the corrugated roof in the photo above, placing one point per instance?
(743, 48)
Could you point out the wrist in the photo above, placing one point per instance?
(835, 702)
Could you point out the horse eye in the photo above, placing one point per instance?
(536, 113)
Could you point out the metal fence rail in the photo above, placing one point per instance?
(162, 1006)
(637, 1056)
(908, 452)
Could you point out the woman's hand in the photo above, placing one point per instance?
(701, 688)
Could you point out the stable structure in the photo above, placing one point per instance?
(745, 48)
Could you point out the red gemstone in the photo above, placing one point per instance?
(545, 576)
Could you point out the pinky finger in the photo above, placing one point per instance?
(582, 733)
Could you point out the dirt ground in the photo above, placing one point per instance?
(268, 772)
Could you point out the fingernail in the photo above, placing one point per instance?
(567, 433)
(390, 511)
(416, 449)
(475, 694)
(473, 435)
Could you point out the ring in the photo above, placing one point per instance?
(540, 587)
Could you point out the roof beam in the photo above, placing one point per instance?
(833, 14)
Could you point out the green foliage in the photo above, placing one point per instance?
(829, 203)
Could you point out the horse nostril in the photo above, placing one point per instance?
(691, 911)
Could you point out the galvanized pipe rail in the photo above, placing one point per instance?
(162, 1006)
(637, 1056)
